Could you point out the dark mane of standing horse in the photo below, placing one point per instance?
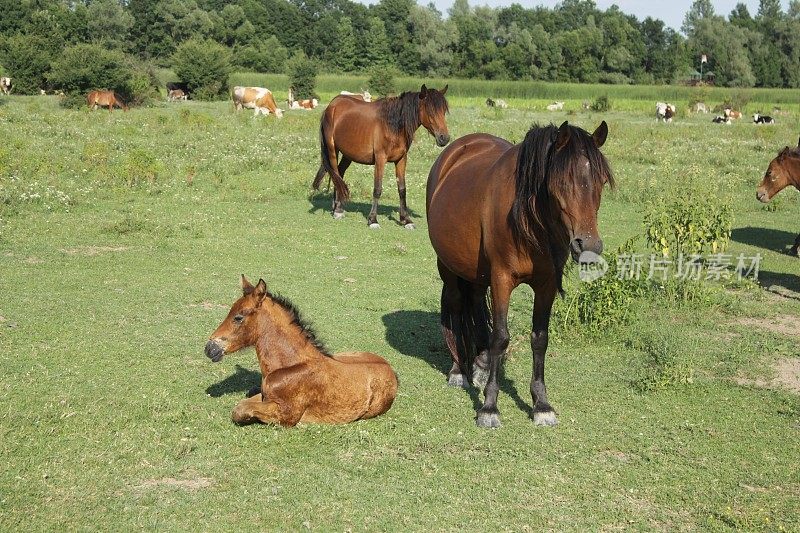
(540, 173)
(401, 113)
(298, 321)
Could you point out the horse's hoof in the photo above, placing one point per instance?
(374, 225)
(545, 418)
(410, 225)
(457, 380)
(480, 377)
(488, 419)
(338, 215)
(794, 252)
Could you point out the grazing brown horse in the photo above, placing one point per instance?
(105, 99)
(301, 381)
(374, 133)
(782, 171)
(500, 215)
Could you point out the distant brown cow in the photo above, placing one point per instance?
(105, 99)
(256, 98)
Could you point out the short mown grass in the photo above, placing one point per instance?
(122, 237)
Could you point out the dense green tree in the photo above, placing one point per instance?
(346, 54)
(107, 23)
(701, 9)
(376, 45)
(26, 58)
(205, 66)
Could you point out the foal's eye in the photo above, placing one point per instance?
(238, 319)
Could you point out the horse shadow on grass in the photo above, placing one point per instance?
(241, 381)
(787, 285)
(322, 202)
(417, 334)
(775, 240)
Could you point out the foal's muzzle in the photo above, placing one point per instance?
(442, 139)
(214, 351)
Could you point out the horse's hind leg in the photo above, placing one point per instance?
(543, 414)
(482, 335)
(400, 173)
(795, 251)
(450, 318)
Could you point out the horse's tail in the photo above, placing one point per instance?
(466, 327)
(341, 188)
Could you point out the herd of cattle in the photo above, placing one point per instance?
(665, 113)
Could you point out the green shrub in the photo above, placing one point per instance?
(26, 58)
(382, 80)
(668, 359)
(204, 66)
(689, 223)
(268, 56)
(601, 104)
(302, 76)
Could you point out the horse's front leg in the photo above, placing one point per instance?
(257, 409)
(400, 173)
(543, 414)
(380, 164)
(489, 415)
(795, 251)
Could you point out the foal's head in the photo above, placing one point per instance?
(239, 329)
(578, 173)
(432, 110)
(778, 176)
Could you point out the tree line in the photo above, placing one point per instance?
(572, 42)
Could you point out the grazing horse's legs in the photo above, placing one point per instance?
(380, 164)
(795, 251)
(543, 413)
(400, 173)
(488, 415)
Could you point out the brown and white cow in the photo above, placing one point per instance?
(257, 98)
(176, 94)
(5, 85)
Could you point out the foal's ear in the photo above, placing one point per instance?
(445, 89)
(600, 134)
(260, 290)
(563, 136)
(247, 287)
(423, 92)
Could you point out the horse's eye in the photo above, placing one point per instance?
(238, 319)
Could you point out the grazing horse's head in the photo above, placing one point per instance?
(238, 330)
(432, 109)
(778, 175)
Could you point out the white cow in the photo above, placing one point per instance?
(257, 98)
(665, 112)
(364, 95)
(5, 85)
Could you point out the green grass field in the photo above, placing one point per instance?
(122, 237)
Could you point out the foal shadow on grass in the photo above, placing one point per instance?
(322, 202)
(776, 240)
(242, 380)
(418, 334)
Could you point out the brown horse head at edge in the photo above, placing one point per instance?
(432, 109)
(782, 171)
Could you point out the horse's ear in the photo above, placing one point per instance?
(423, 92)
(445, 89)
(247, 287)
(600, 134)
(563, 136)
(260, 290)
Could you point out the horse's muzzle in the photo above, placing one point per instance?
(578, 246)
(762, 196)
(442, 139)
(214, 351)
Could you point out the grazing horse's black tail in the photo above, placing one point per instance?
(341, 188)
(465, 324)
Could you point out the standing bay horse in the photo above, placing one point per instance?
(500, 215)
(782, 171)
(105, 99)
(374, 133)
(301, 381)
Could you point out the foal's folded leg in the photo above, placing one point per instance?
(253, 409)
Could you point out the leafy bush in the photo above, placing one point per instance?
(85, 67)
(26, 59)
(269, 56)
(668, 359)
(688, 223)
(204, 66)
(382, 80)
(302, 76)
(601, 104)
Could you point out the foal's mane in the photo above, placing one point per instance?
(298, 320)
(401, 113)
(543, 173)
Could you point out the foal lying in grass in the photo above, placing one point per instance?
(301, 381)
